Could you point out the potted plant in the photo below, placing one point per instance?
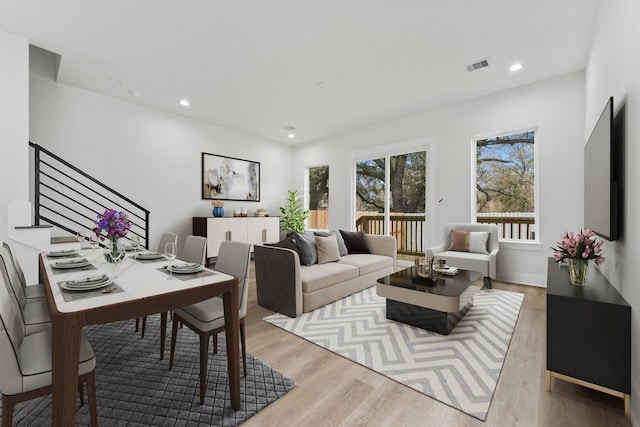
(293, 214)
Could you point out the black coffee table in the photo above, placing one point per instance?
(437, 305)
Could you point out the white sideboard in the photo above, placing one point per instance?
(241, 229)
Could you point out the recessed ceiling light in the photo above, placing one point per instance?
(184, 102)
(515, 67)
(321, 85)
(134, 93)
(290, 130)
(114, 81)
(291, 135)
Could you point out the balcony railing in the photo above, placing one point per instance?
(511, 226)
(409, 231)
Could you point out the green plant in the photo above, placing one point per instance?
(293, 214)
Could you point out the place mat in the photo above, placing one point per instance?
(69, 270)
(188, 276)
(70, 296)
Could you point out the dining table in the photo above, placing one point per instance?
(138, 288)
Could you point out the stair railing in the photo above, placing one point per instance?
(70, 199)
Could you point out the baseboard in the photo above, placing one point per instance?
(524, 279)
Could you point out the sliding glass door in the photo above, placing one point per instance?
(390, 195)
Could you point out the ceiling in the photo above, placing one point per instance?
(321, 66)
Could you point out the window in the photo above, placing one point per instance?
(318, 197)
(505, 184)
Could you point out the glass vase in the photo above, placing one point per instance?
(115, 254)
(578, 271)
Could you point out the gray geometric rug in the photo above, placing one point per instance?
(135, 388)
(460, 369)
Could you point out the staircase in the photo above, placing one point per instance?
(65, 200)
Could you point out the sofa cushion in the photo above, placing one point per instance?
(320, 276)
(306, 244)
(327, 249)
(469, 241)
(356, 242)
(342, 249)
(367, 263)
(287, 244)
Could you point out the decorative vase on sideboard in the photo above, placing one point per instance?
(218, 211)
(578, 271)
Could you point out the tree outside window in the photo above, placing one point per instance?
(319, 197)
(505, 184)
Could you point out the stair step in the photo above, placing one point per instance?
(26, 227)
(63, 239)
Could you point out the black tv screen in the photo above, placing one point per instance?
(600, 181)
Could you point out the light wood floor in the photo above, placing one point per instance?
(333, 391)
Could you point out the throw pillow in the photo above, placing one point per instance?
(469, 241)
(356, 242)
(327, 249)
(342, 249)
(285, 243)
(306, 244)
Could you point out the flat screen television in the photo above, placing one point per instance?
(601, 183)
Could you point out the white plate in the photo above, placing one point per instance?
(89, 287)
(185, 270)
(149, 256)
(71, 264)
(62, 253)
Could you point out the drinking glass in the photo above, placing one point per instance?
(80, 235)
(170, 251)
(94, 241)
(135, 244)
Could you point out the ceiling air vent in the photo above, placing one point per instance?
(477, 65)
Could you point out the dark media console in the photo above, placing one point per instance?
(588, 334)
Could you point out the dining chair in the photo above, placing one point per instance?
(33, 312)
(195, 249)
(206, 318)
(26, 362)
(164, 239)
(30, 291)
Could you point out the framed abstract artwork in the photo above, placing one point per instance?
(228, 178)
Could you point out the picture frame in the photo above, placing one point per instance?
(230, 178)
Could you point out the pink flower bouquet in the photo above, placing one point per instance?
(582, 245)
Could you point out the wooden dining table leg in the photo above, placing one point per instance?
(163, 332)
(65, 351)
(231, 326)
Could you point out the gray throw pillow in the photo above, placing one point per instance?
(306, 244)
(342, 249)
(285, 243)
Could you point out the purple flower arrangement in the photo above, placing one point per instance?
(582, 245)
(115, 224)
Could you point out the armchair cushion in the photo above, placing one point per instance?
(285, 243)
(469, 241)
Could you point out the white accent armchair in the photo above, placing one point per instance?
(486, 264)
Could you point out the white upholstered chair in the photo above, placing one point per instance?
(206, 318)
(25, 362)
(195, 249)
(164, 239)
(31, 291)
(33, 312)
(485, 263)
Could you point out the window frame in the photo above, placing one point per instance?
(536, 179)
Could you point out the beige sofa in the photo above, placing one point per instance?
(285, 286)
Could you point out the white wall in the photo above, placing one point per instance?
(613, 69)
(14, 123)
(151, 157)
(555, 107)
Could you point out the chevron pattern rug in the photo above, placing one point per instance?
(460, 369)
